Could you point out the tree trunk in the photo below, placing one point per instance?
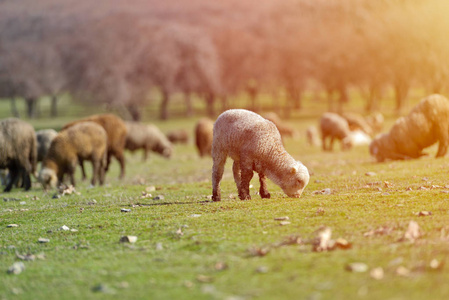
(189, 106)
(54, 106)
(31, 104)
(295, 97)
(164, 105)
(14, 110)
(401, 92)
(135, 112)
(210, 100)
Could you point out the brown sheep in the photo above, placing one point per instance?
(18, 151)
(82, 141)
(203, 136)
(116, 130)
(426, 124)
(334, 126)
(180, 136)
(254, 143)
(147, 137)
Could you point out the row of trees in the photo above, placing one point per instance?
(117, 52)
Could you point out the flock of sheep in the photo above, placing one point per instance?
(254, 143)
(97, 139)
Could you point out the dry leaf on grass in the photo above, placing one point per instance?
(413, 232)
(128, 239)
(424, 213)
(377, 273)
(257, 251)
(204, 278)
(357, 267)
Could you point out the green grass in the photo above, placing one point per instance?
(228, 232)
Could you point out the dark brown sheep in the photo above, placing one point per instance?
(426, 124)
(82, 141)
(116, 131)
(18, 151)
(203, 136)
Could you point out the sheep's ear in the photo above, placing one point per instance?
(294, 169)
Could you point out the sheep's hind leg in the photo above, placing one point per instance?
(246, 176)
(263, 191)
(237, 174)
(217, 174)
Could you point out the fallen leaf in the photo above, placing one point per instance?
(326, 191)
(284, 223)
(220, 266)
(204, 278)
(262, 269)
(323, 237)
(370, 174)
(320, 211)
(387, 184)
(342, 244)
(43, 240)
(357, 267)
(424, 213)
(128, 239)
(436, 265)
(377, 273)
(179, 232)
(402, 271)
(16, 268)
(413, 232)
(64, 228)
(282, 218)
(125, 210)
(256, 251)
(12, 225)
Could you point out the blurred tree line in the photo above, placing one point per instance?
(116, 52)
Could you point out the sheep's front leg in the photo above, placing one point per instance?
(217, 174)
(263, 191)
(443, 142)
(246, 173)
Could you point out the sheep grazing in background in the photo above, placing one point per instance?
(116, 130)
(179, 136)
(18, 152)
(82, 141)
(147, 137)
(203, 136)
(255, 144)
(426, 124)
(284, 129)
(357, 122)
(312, 135)
(376, 122)
(334, 127)
(44, 138)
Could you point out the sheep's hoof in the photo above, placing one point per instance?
(245, 197)
(265, 195)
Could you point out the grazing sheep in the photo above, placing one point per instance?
(426, 124)
(283, 128)
(147, 137)
(203, 136)
(18, 152)
(357, 122)
(254, 143)
(44, 138)
(335, 127)
(82, 141)
(313, 137)
(180, 136)
(116, 130)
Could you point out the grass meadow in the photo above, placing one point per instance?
(191, 248)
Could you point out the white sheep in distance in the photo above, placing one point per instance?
(254, 144)
(334, 127)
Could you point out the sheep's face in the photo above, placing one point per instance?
(48, 179)
(296, 181)
(376, 148)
